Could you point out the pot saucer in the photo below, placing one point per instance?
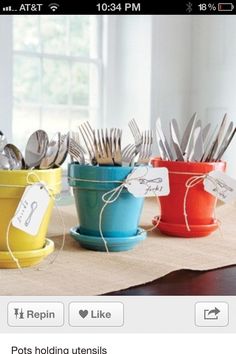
(180, 230)
(26, 258)
(114, 244)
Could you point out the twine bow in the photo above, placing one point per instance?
(112, 195)
(190, 183)
(50, 190)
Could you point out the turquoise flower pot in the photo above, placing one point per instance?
(90, 183)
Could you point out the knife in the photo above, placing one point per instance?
(175, 141)
(165, 143)
(198, 149)
(195, 136)
(185, 138)
(205, 132)
(218, 139)
(209, 144)
(226, 145)
(186, 143)
(224, 141)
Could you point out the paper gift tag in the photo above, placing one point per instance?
(31, 209)
(148, 182)
(221, 186)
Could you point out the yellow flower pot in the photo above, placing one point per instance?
(12, 186)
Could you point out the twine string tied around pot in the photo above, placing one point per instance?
(195, 179)
(110, 197)
(50, 189)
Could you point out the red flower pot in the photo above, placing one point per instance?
(195, 217)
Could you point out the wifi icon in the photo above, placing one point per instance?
(53, 6)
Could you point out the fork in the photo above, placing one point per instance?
(87, 134)
(115, 146)
(136, 134)
(103, 154)
(128, 155)
(146, 148)
(76, 151)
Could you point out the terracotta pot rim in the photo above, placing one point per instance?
(190, 163)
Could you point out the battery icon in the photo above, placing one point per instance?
(225, 6)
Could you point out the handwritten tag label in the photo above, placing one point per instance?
(148, 182)
(221, 186)
(31, 209)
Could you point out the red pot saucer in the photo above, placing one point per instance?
(180, 230)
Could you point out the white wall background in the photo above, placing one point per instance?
(172, 66)
(213, 74)
(6, 76)
(127, 88)
(167, 66)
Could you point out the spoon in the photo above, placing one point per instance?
(51, 153)
(4, 163)
(14, 156)
(3, 141)
(36, 148)
(63, 150)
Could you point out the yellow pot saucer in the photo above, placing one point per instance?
(26, 258)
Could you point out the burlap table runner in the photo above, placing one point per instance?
(80, 272)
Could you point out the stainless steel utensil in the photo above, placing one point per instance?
(186, 143)
(198, 147)
(63, 150)
(194, 146)
(176, 128)
(128, 155)
(218, 140)
(52, 151)
(115, 146)
(165, 144)
(136, 133)
(189, 128)
(146, 148)
(161, 149)
(87, 134)
(226, 145)
(14, 156)
(223, 141)
(209, 144)
(4, 163)
(175, 140)
(36, 148)
(76, 152)
(205, 133)
(103, 152)
(3, 141)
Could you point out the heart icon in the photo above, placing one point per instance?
(83, 313)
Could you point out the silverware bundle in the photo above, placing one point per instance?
(40, 153)
(103, 146)
(198, 143)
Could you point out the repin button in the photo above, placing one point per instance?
(35, 314)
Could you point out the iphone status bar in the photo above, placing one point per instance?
(141, 7)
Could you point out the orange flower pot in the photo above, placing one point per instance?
(190, 215)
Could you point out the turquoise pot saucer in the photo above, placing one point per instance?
(114, 244)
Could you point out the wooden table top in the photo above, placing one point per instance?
(187, 282)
